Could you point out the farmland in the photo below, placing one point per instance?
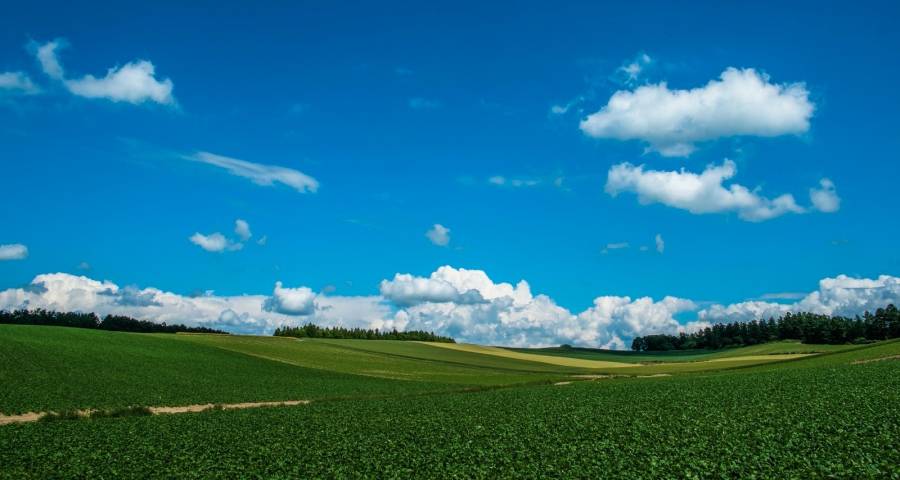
(393, 409)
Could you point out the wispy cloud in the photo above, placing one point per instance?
(258, 173)
(17, 82)
(614, 246)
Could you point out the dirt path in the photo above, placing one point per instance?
(879, 359)
(35, 416)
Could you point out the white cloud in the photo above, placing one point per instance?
(291, 301)
(698, 193)
(825, 199)
(47, 57)
(419, 103)
(258, 173)
(242, 229)
(214, 242)
(135, 82)
(17, 82)
(15, 251)
(238, 314)
(446, 285)
(438, 235)
(497, 180)
(262, 240)
(501, 181)
(671, 122)
(660, 243)
(562, 109)
(841, 295)
(630, 71)
(444, 302)
(614, 246)
(448, 302)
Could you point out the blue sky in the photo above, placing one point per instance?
(404, 113)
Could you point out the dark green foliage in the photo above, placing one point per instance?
(117, 323)
(314, 331)
(821, 417)
(806, 327)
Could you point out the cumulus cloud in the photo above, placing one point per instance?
(17, 82)
(258, 173)
(242, 229)
(15, 251)
(698, 193)
(468, 305)
(214, 242)
(238, 314)
(741, 102)
(135, 82)
(841, 295)
(465, 304)
(660, 243)
(443, 286)
(825, 199)
(438, 235)
(298, 301)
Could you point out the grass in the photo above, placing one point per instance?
(817, 417)
(780, 347)
(398, 360)
(57, 369)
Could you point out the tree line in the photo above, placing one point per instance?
(806, 327)
(117, 323)
(314, 331)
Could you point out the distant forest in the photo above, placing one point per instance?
(314, 331)
(806, 327)
(117, 323)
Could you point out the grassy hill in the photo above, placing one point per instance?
(779, 347)
(400, 409)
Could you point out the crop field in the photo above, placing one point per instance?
(384, 409)
(771, 348)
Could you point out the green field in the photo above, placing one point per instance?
(780, 347)
(387, 409)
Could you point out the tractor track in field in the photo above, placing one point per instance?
(166, 410)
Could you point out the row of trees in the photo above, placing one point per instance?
(90, 320)
(314, 331)
(806, 327)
